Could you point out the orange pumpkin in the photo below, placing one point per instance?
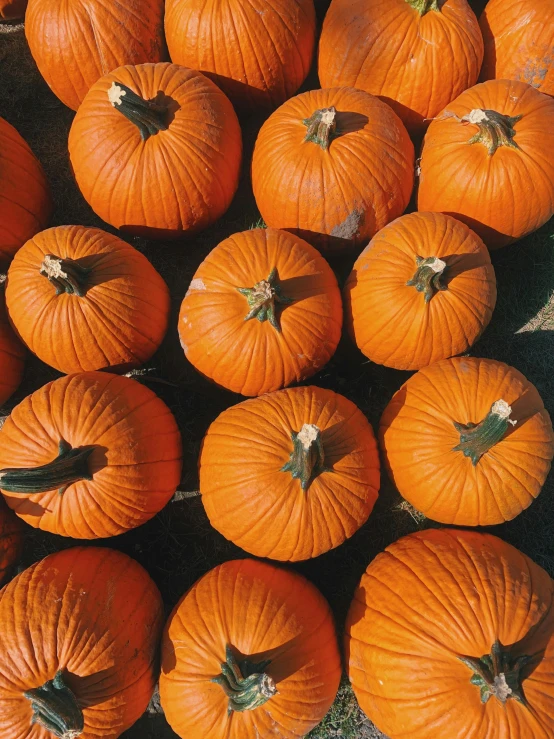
(451, 634)
(424, 289)
(82, 299)
(11, 540)
(250, 651)
(12, 356)
(485, 154)
(156, 150)
(89, 455)
(304, 459)
(468, 441)
(75, 43)
(333, 166)
(12, 10)
(417, 55)
(78, 646)
(262, 311)
(259, 53)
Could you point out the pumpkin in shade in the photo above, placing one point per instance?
(78, 646)
(417, 55)
(250, 651)
(12, 355)
(258, 53)
(262, 311)
(303, 458)
(89, 455)
(484, 154)
(11, 540)
(451, 634)
(424, 289)
(468, 441)
(156, 150)
(333, 166)
(12, 10)
(82, 299)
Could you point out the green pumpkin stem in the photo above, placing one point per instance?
(495, 129)
(149, 116)
(66, 275)
(55, 708)
(424, 6)
(245, 683)
(322, 127)
(307, 459)
(428, 276)
(498, 674)
(477, 438)
(262, 299)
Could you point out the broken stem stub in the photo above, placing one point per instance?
(477, 438)
(428, 276)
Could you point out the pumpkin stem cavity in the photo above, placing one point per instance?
(428, 276)
(498, 674)
(66, 275)
(307, 459)
(477, 438)
(262, 299)
(149, 116)
(495, 129)
(322, 127)
(245, 683)
(55, 708)
(424, 6)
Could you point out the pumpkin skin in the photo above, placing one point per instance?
(120, 317)
(316, 502)
(489, 191)
(408, 317)
(11, 540)
(75, 44)
(178, 180)
(416, 55)
(12, 355)
(431, 599)
(134, 455)
(257, 356)
(339, 190)
(95, 615)
(12, 10)
(448, 484)
(257, 53)
(263, 613)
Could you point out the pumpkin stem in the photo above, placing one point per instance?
(424, 6)
(262, 299)
(477, 438)
(66, 275)
(322, 127)
(307, 459)
(427, 277)
(55, 708)
(149, 116)
(245, 683)
(498, 674)
(71, 465)
(495, 129)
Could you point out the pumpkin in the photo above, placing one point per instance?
(75, 43)
(11, 540)
(82, 299)
(424, 289)
(484, 154)
(467, 441)
(417, 55)
(250, 651)
(304, 458)
(451, 634)
(25, 204)
(333, 166)
(12, 10)
(12, 356)
(258, 53)
(156, 150)
(262, 311)
(519, 42)
(78, 646)
(89, 455)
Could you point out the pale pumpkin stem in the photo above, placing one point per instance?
(428, 276)
(149, 116)
(307, 459)
(245, 683)
(495, 129)
(56, 709)
(424, 6)
(498, 674)
(262, 299)
(477, 438)
(67, 275)
(322, 126)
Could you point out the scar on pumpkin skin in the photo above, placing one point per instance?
(350, 227)
(196, 284)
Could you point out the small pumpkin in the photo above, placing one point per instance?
(263, 310)
(78, 646)
(333, 166)
(12, 355)
(484, 154)
(248, 652)
(258, 53)
(12, 10)
(156, 150)
(468, 441)
(451, 634)
(303, 458)
(82, 299)
(11, 540)
(424, 289)
(89, 455)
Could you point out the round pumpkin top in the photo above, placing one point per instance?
(468, 441)
(262, 311)
(303, 458)
(12, 355)
(452, 632)
(257, 620)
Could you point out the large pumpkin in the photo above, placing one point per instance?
(303, 458)
(12, 355)
(156, 150)
(262, 311)
(488, 160)
(468, 441)
(424, 289)
(417, 55)
(259, 53)
(451, 634)
(249, 652)
(12, 10)
(333, 166)
(82, 299)
(89, 455)
(11, 540)
(78, 646)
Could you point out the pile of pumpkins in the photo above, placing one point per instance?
(451, 632)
